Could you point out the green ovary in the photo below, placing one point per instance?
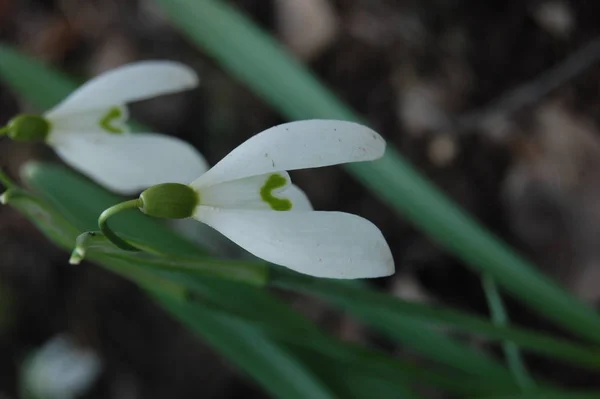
(266, 193)
(106, 123)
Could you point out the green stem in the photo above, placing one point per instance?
(5, 180)
(103, 223)
(500, 318)
(4, 130)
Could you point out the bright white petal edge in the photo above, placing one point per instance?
(131, 82)
(129, 163)
(297, 145)
(321, 244)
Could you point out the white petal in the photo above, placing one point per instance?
(256, 193)
(132, 162)
(322, 244)
(297, 145)
(110, 120)
(128, 83)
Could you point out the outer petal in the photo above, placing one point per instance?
(322, 244)
(256, 193)
(130, 163)
(297, 145)
(131, 82)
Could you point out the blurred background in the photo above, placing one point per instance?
(497, 102)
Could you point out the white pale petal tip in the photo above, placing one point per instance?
(181, 76)
(186, 76)
(4, 198)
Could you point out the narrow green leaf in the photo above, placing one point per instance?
(174, 278)
(347, 368)
(82, 201)
(511, 350)
(257, 60)
(39, 84)
(383, 311)
(271, 365)
(52, 224)
(258, 307)
(45, 178)
(96, 245)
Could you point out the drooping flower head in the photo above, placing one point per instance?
(248, 197)
(88, 129)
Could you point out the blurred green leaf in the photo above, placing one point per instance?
(395, 317)
(203, 267)
(352, 372)
(39, 84)
(280, 373)
(255, 306)
(82, 201)
(176, 279)
(259, 61)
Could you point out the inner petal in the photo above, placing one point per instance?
(271, 191)
(113, 120)
(110, 120)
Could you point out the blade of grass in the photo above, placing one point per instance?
(64, 196)
(82, 202)
(169, 283)
(257, 60)
(37, 83)
(335, 361)
(96, 245)
(511, 350)
(380, 309)
(280, 373)
(253, 305)
(350, 298)
(175, 280)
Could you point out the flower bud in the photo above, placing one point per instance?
(26, 127)
(169, 200)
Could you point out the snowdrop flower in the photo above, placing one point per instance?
(60, 370)
(88, 130)
(248, 197)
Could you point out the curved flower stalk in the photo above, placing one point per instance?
(248, 197)
(88, 129)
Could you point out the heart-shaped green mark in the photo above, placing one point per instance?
(275, 181)
(106, 122)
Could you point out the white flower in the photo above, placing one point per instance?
(60, 370)
(88, 130)
(249, 198)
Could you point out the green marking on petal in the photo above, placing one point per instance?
(266, 193)
(113, 114)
